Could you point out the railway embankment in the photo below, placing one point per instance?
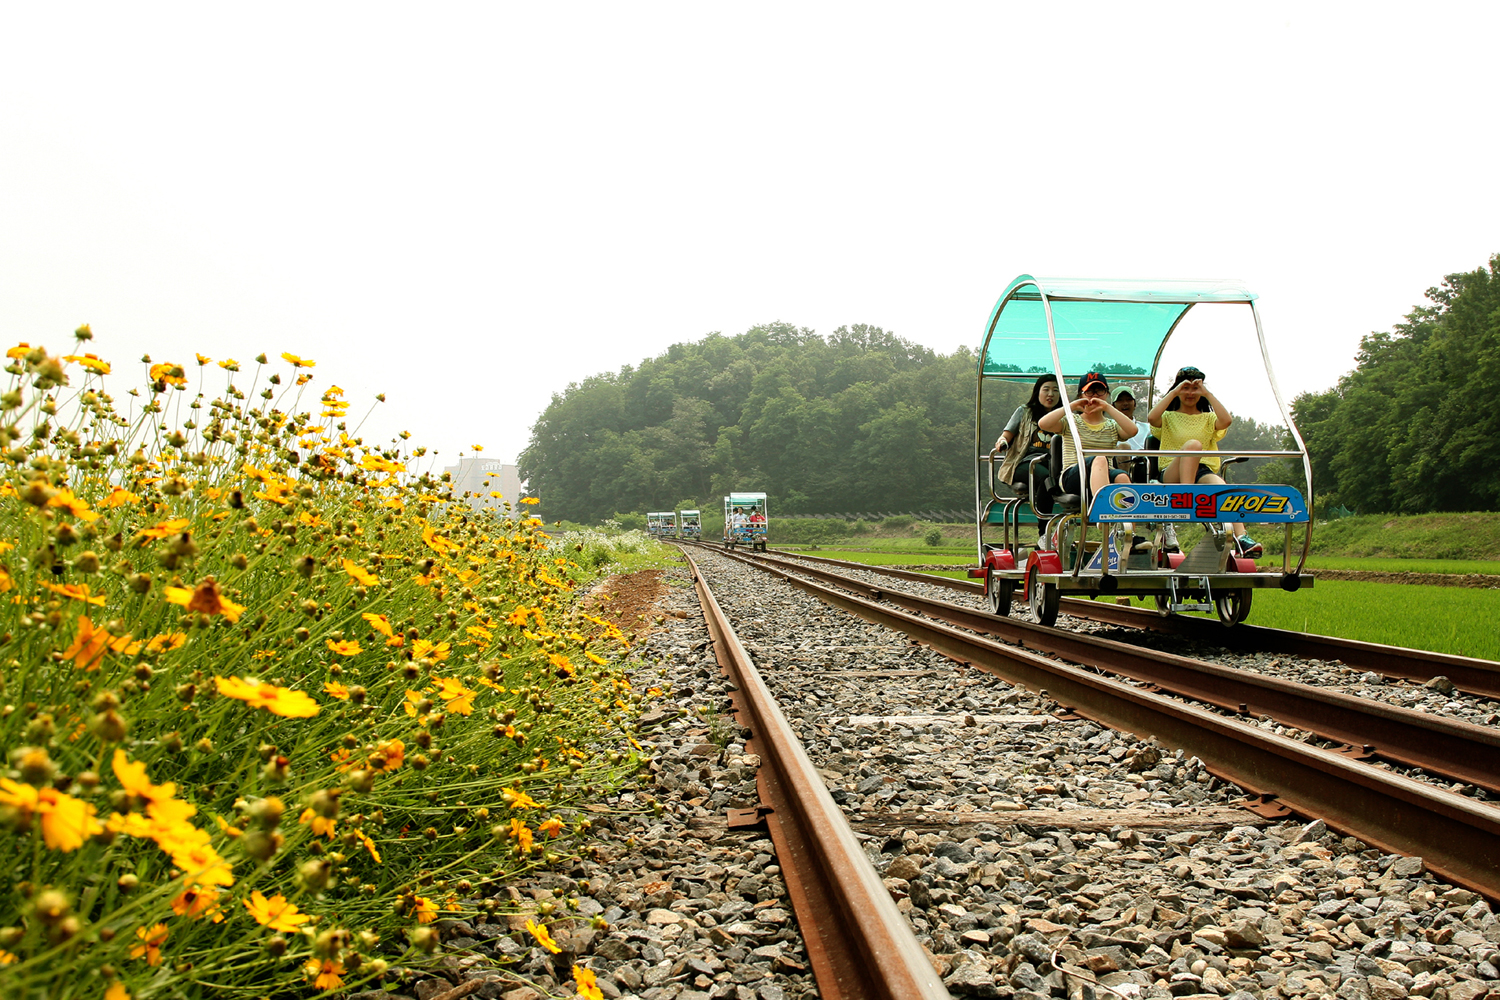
(1041, 856)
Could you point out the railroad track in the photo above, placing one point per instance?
(1457, 837)
(1470, 675)
(858, 943)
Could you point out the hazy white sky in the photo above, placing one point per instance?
(468, 206)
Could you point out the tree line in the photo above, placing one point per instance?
(1414, 428)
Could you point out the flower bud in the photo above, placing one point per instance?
(325, 802)
(315, 874)
(109, 726)
(35, 766)
(50, 906)
(424, 939)
(262, 845)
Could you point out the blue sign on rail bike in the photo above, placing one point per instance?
(1200, 502)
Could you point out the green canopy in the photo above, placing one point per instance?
(1114, 325)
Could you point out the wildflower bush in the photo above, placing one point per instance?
(271, 703)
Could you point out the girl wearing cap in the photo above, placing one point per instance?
(1100, 425)
(1190, 418)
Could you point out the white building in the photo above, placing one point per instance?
(485, 476)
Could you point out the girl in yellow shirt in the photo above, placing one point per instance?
(1191, 418)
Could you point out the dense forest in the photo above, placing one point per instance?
(860, 421)
(1415, 428)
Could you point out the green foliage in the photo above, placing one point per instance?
(1411, 429)
(859, 420)
(605, 553)
(934, 536)
(899, 521)
(1456, 620)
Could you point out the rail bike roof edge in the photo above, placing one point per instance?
(1130, 319)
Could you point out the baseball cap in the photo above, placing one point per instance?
(1090, 379)
(1123, 390)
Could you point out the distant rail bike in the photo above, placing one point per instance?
(1118, 536)
(746, 521)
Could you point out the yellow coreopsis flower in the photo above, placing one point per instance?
(169, 373)
(369, 845)
(422, 649)
(276, 700)
(116, 991)
(389, 755)
(89, 645)
(19, 351)
(204, 598)
(118, 497)
(587, 983)
(275, 913)
(297, 362)
(132, 775)
(322, 826)
(329, 973)
(89, 361)
(198, 901)
(75, 505)
(152, 938)
(75, 591)
(517, 799)
(458, 698)
(229, 365)
(336, 690)
(202, 864)
(425, 911)
(521, 833)
(542, 937)
(66, 822)
(379, 623)
(344, 647)
(551, 827)
(375, 463)
(168, 642)
(359, 574)
(165, 528)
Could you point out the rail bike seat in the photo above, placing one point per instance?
(1069, 502)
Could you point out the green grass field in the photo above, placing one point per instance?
(1377, 565)
(1457, 620)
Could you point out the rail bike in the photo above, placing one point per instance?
(661, 524)
(690, 524)
(1050, 523)
(745, 521)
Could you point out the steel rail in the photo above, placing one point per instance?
(1366, 728)
(859, 945)
(1456, 837)
(1469, 674)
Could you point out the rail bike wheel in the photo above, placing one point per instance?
(1233, 607)
(1044, 598)
(999, 593)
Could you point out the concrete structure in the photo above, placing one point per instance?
(471, 475)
